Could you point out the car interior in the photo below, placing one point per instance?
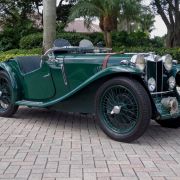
(28, 64)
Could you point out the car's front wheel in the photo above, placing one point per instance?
(7, 106)
(123, 108)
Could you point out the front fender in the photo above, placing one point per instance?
(8, 69)
(116, 70)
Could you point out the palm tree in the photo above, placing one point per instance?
(105, 10)
(49, 23)
(146, 21)
(129, 14)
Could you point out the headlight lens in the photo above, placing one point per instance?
(151, 84)
(172, 82)
(139, 61)
(168, 62)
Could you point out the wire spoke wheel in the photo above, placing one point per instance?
(5, 95)
(120, 109)
(7, 105)
(123, 108)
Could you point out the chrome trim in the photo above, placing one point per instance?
(156, 93)
(153, 58)
(162, 77)
(156, 76)
(59, 60)
(146, 76)
(64, 75)
(45, 76)
(175, 62)
(135, 53)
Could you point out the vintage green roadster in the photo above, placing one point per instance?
(124, 90)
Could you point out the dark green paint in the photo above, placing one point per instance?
(70, 83)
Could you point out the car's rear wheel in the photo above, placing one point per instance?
(123, 108)
(169, 123)
(7, 106)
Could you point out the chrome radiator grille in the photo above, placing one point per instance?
(156, 70)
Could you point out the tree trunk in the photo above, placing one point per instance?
(177, 32)
(109, 40)
(177, 38)
(173, 38)
(170, 39)
(49, 23)
(105, 38)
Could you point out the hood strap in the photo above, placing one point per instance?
(105, 62)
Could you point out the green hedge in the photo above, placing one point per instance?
(135, 39)
(175, 52)
(118, 38)
(35, 40)
(18, 52)
(31, 41)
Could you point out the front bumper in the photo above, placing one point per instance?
(163, 112)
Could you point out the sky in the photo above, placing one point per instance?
(159, 26)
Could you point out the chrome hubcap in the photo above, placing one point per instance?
(5, 95)
(116, 110)
(4, 105)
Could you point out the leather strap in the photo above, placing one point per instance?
(105, 62)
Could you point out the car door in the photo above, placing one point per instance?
(59, 75)
(38, 85)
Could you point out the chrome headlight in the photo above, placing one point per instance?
(172, 82)
(139, 61)
(168, 62)
(151, 84)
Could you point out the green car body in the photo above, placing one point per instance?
(69, 82)
(46, 87)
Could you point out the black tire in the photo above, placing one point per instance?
(6, 97)
(141, 99)
(169, 123)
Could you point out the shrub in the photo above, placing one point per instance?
(16, 52)
(175, 52)
(73, 38)
(135, 39)
(118, 38)
(13, 32)
(35, 40)
(31, 41)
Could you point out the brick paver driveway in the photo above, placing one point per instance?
(39, 144)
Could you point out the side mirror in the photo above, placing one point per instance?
(45, 58)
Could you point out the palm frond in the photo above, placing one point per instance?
(84, 8)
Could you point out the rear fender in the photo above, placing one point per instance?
(8, 69)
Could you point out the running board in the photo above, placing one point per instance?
(29, 103)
